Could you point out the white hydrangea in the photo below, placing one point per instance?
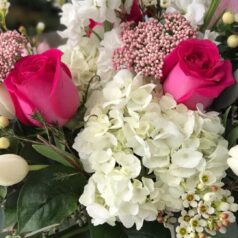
(194, 10)
(145, 153)
(82, 61)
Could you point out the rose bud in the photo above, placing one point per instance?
(194, 73)
(42, 84)
(13, 169)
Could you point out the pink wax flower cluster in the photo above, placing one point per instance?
(12, 48)
(145, 45)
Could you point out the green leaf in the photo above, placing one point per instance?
(10, 208)
(2, 218)
(106, 231)
(3, 192)
(45, 200)
(232, 137)
(149, 230)
(225, 116)
(51, 154)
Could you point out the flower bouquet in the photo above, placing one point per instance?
(128, 129)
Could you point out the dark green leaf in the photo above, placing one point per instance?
(227, 98)
(45, 200)
(221, 38)
(232, 137)
(51, 154)
(10, 207)
(225, 116)
(106, 231)
(150, 230)
(234, 28)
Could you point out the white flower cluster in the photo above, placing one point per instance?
(194, 10)
(76, 16)
(144, 153)
(82, 61)
(206, 211)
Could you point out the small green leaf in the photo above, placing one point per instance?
(51, 154)
(45, 200)
(106, 231)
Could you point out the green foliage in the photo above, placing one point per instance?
(149, 230)
(45, 201)
(106, 231)
(49, 153)
(3, 193)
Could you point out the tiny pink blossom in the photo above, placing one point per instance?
(12, 48)
(146, 44)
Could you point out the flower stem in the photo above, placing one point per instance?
(37, 167)
(172, 230)
(210, 13)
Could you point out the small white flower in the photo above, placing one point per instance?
(197, 224)
(207, 178)
(183, 231)
(205, 209)
(190, 199)
(186, 216)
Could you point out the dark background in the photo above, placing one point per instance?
(29, 12)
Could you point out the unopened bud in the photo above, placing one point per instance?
(228, 18)
(4, 143)
(232, 41)
(4, 122)
(40, 27)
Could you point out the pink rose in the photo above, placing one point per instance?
(42, 83)
(194, 73)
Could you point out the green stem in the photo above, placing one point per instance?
(58, 151)
(210, 13)
(97, 35)
(37, 167)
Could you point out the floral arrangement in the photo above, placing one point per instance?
(129, 129)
